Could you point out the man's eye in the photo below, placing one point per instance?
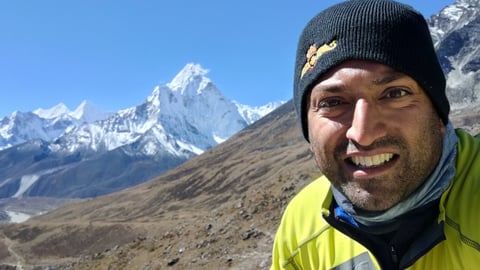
(328, 103)
(396, 93)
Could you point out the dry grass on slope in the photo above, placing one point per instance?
(215, 211)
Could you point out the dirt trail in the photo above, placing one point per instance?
(19, 260)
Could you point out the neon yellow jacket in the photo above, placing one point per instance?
(305, 240)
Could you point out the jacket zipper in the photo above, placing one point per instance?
(393, 254)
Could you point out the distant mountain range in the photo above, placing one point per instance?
(86, 153)
(45, 124)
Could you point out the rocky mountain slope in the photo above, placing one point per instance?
(456, 33)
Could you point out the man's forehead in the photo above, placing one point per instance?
(382, 74)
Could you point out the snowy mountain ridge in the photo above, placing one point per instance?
(452, 17)
(85, 112)
(86, 153)
(45, 124)
(167, 108)
(456, 34)
(186, 116)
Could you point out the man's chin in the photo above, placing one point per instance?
(371, 202)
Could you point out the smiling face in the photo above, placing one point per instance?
(374, 133)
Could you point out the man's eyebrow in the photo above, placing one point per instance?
(327, 88)
(388, 78)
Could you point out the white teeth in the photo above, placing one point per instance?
(371, 160)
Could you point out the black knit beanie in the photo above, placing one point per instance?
(383, 31)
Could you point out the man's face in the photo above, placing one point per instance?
(374, 133)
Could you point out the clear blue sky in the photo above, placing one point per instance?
(114, 52)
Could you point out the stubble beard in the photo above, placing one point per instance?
(379, 194)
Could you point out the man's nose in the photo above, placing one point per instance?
(367, 124)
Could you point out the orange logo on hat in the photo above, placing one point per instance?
(313, 54)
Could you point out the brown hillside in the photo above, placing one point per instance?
(216, 211)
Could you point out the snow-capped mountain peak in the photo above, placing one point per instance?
(456, 33)
(252, 114)
(45, 124)
(190, 78)
(187, 113)
(190, 111)
(88, 112)
(53, 112)
(177, 121)
(451, 18)
(85, 112)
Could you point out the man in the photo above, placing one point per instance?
(400, 186)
